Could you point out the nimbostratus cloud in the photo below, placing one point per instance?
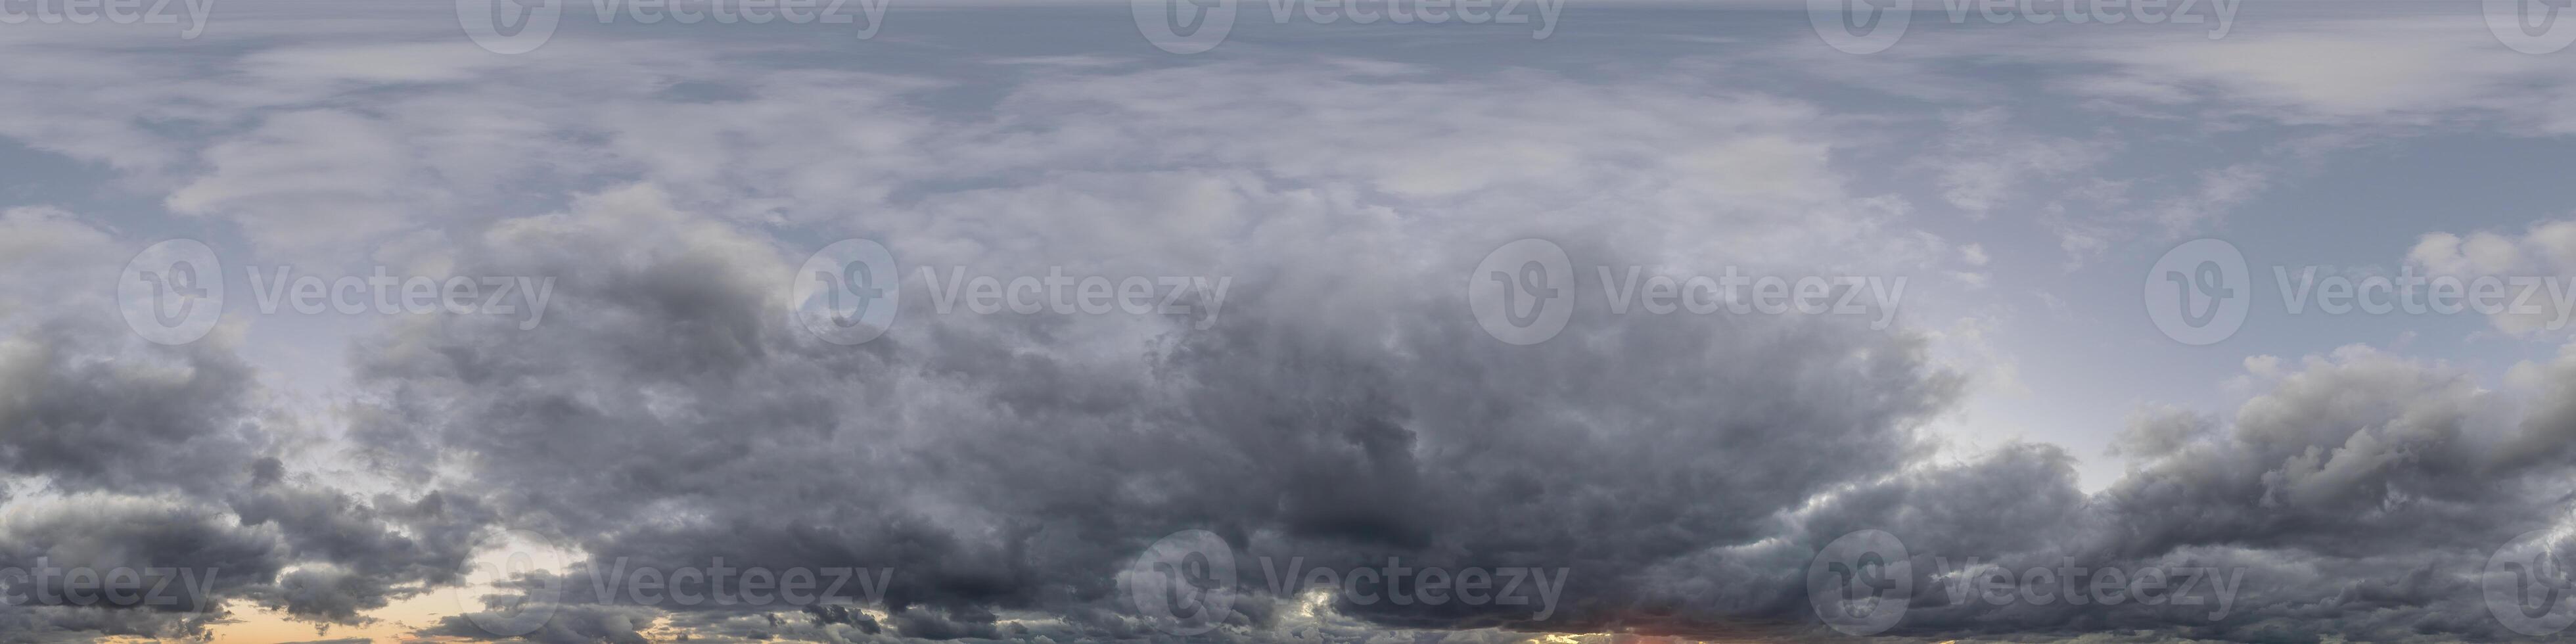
(984, 474)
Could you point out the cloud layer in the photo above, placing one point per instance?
(1340, 406)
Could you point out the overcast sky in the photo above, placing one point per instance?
(1125, 321)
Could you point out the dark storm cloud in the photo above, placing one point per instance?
(135, 439)
(2360, 498)
(1682, 469)
(92, 410)
(145, 457)
(186, 554)
(63, 624)
(1346, 410)
(129, 456)
(361, 554)
(669, 416)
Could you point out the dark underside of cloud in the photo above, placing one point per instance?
(1009, 469)
(1012, 475)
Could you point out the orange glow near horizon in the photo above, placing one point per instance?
(394, 623)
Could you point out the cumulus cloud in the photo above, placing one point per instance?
(2534, 269)
(121, 454)
(1343, 408)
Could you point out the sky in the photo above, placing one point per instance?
(1255, 321)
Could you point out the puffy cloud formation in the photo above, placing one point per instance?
(998, 476)
(2525, 280)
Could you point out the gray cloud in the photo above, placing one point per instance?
(1345, 410)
